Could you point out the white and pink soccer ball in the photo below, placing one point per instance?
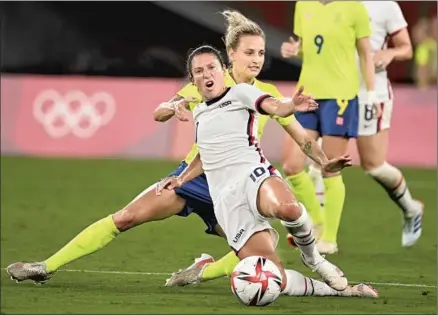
(256, 281)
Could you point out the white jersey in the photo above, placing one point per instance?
(226, 135)
(386, 20)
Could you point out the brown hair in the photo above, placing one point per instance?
(205, 49)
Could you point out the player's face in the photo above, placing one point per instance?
(249, 56)
(208, 75)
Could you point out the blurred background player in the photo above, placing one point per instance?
(330, 33)
(387, 23)
(424, 37)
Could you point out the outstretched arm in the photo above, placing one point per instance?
(314, 151)
(284, 107)
(307, 144)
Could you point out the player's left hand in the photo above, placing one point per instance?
(382, 59)
(304, 102)
(337, 164)
(169, 183)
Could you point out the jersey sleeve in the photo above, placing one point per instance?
(284, 121)
(396, 21)
(362, 27)
(297, 19)
(251, 97)
(190, 90)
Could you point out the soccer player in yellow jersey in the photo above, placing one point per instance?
(330, 33)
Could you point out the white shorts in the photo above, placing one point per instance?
(368, 125)
(236, 209)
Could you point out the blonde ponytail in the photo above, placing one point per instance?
(239, 25)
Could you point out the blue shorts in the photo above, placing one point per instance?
(333, 118)
(197, 198)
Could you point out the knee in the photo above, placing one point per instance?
(294, 162)
(368, 165)
(124, 219)
(288, 211)
(291, 168)
(386, 174)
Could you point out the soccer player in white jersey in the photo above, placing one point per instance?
(387, 23)
(245, 188)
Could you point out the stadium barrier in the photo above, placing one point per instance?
(112, 117)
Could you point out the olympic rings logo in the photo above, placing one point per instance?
(73, 113)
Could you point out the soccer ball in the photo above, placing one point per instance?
(256, 281)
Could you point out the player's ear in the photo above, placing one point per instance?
(231, 54)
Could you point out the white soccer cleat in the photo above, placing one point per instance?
(330, 273)
(360, 290)
(412, 228)
(36, 272)
(190, 275)
(326, 248)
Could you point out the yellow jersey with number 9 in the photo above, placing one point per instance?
(328, 35)
(191, 90)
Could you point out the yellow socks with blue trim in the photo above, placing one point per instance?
(222, 267)
(93, 238)
(304, 191)
(334, 204)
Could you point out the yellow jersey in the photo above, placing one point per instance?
(191, 90)
(328, 35)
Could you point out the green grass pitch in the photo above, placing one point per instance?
(45, 202)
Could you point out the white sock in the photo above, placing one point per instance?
(316, 176)
(392, 180)
(299, 285)
(302, 233)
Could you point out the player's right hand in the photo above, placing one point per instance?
(168, 183)
(304, 102)
(290, 48)
(180, 107)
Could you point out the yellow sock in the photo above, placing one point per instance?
(334, 204)
(88, 241)
(222, 267)
(304, 191)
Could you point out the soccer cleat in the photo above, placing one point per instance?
(412, 227)
(326, 248)
(190, 275)
(29, 271)
(331, 274)
(317, 231)
(360, 290)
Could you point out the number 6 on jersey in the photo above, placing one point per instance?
(319, 41)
